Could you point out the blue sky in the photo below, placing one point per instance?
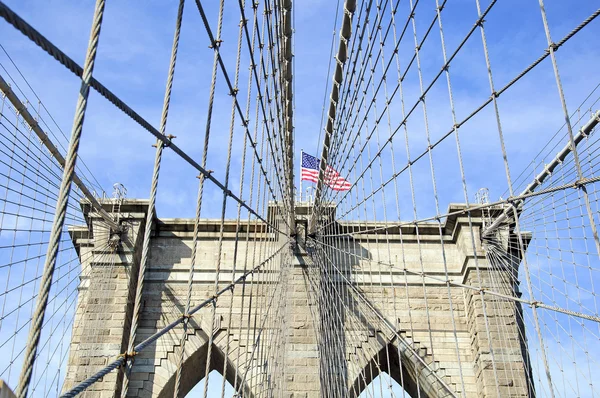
(133, 57)
(133, 60)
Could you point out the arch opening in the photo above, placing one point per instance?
(389, 368)
(384, 386)
(193, 375)
(215, 384)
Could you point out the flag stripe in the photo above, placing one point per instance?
(310, 172)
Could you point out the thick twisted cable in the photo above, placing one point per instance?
(88, 382)
(231, 134)
(141, 346)
(231, 88)
(483, 105)
(37, 129)
(61, 205)
(143, 262)
(215, 46)
(193, 261)
(565, 110)
(152, 204)
(22, 26)
(199, 200)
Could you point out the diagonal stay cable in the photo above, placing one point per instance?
(253, 67)
(61, 206)
(233, 92)
(470, 208)
(400, 80)
(360, 79)
(377, 313)
(447, 280)
(45, 44)
(81, 163)
(24, 112)
(488, 101)
(559, 44)
(584, 132)
(151, 339)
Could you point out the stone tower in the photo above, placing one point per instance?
(435, 336)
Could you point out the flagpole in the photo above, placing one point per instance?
(300, 174)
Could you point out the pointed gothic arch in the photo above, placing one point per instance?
(193, 372)
(214, 387)
(383, 385)
(403, 368)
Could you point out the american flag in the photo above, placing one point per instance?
(310, 172)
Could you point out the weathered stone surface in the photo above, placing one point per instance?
(443, 335)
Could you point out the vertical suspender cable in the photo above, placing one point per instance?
(215, 45)
(342, 55)
(289, 108)
(45, 140)
(231, 135)
(552, 47)
(152, 204)
(61, 204)
(142, 269)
